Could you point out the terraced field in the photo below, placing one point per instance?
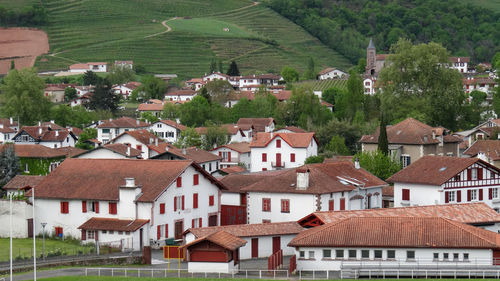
(322, 85)
(259, 39)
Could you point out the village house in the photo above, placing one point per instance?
(262, 239)
(155, 107)
(411, 139)
(8, 128)
(142, 140)
(181, 95)
(89, 66)
(112, 151)
(207, 160)
(195, 83)
(233, 154)
(290, 194)
(331, 73)
(215, 76)
(270, 151)
(358, 242)
(143, 201)
(126, 89)
(110, 129)
(235, 133)
(487, 150)
(19, 183)
(447, 180)
(258, 124)
(168, 130)
(47, 134)
(483, 131)
(460, 63)
(484, 84)
(55, 92)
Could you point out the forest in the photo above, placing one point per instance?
(347, 25)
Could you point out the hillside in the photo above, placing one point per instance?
(258, 39)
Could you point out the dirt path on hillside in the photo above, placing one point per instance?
(164, 23)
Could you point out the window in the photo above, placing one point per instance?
(139, 147)
(446, 256)
(179, 182)
(494, 193)
(178, 203)
(311, 255)
(94, 206)
(162, 208)
(391, 254)
(466, 256)
(405, 160)
(285, 205)
(266, 204)
(211, 200)
(196, 179)
(352, 254)
(365, 254)
(405, 194)
(105, 131)
(90, 234)
(327, 254)
(473, 174)
(64, 207)
(195, 201)
(196, 223)
(209, 167)
(26, 168)
(410, 255)
(339, 254)
(452, 196)
(112, 208)
(292, 157)
(266, 221)
(455, 256)
(120, 232)
(378, 254)
(264, 169)
(84, 206)
(264, 157)
(278, 143)
(436, 256)
(302, 254)
(59, 231)
(473, 194)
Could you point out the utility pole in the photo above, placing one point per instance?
(10, 254)
(34, 236)
(43, 241)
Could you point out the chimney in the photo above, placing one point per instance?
(433, 135)
(356, 163)
(39, 123)
(57, 133)
(110, 119)
(150, 140)
(52, 121)
(128, 150)
(184, 151)
(302, 178)
(137, 122)
(177, 120)
(11, 120)
(39, 130)
(156, 141)
(1, 126)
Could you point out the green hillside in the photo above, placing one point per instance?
(493, 5)
(322, 85)
(259, 39)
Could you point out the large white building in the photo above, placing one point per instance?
(434, 180)
(46, 134)
(271, 151)
(157, 199)
(331, 73)
(233, 154)
(143, 140)
(110, 129)
(168, 130)
(89, 66)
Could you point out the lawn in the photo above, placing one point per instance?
(92, 278)
(23, 248)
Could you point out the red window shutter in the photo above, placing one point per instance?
(229, 156)
(97, 207)
(62, 207)
(179, 182)
(468, 195)
(220, 154)
(175, 204)
(84, 206)
(278, 143)
(162, 208)
(459, 196)
(481, 194)
(264, 169)
(480, 174)
(211, 200)
(196, 179)
(110, 208)
(264, 157)
(490, 193)
(330, 205)
(84, 235)
(406, 194)
(158, 232)
(201, 225)
(292, 157)
(182, 202)
(166, 231)
(195, 201)
(469, 175)
(446, 196)
(192, 223)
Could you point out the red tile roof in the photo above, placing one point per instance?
(410, 131)
(36, 151)
(113, 224)
(195, 154)
(326, 70)
(143, 136)
(119, 148)
(437, 169)
(123, 122)
(174, 124)
(247, 230)
(259, 124)
(491, 148)
(470, 213)
(70, 151)
(6, 122)
(100, 179)
(398, 232)
(283, 95)
(21, 181)
(459, 59)
(150, 107)
(221, 238)
(183, 92)
(241, 147)
(234, 170)
(297, 140)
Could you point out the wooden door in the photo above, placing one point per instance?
(276, 244)
(496, 257)
(342, 203)
(30, 228)
(255, 247)
(212, 220)
(141, 244)
(179, 228)
(278, 159)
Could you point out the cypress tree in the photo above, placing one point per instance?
(383, 143)
(233, 69)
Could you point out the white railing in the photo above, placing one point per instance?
(178, 273)
(417, 263)
(418, 273)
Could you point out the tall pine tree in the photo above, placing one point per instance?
(9, 164)
(383, 143)
(233, 69)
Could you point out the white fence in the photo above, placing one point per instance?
(420, 264)
(179, 273)
(418, 273)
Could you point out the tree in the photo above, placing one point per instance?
(213, 66)
(87, 134)
(90, 78)
(22, 96)
(215, 136)
(233, 69)
(218, 91)
(354, 96)
(9, 164)
(379, 164)
(289, 74)
(188, 138)
(139, 69)
(314, 159)
(383, 143)
(70, 93)
(351, 133)
(330, 95)
(104, 98)
(12, 65)
(220, 67)
(170, 111)
(361, 65)
(196, 112)
(310, 73)
(121, 75)
(417, 80)
(152, 87)
(337, 146)
(149, 117)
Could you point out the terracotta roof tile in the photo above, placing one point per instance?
(119, 148)
(437, 169)
(113, 224)
(234, 170)
(21, 181)
(6, 122)
(70, 151)
(174, 124)
(150, 107)
(459, 59)
(259, 124)
(123, 122)
(247, 230)
(36, 151)
(182, 92)
(195, 154)
(283, 95)
(398, 232)
(491, 148)
(221, 238)
(241, 147)
(297, 140)
(143, 136)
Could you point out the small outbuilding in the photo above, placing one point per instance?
(217, 252)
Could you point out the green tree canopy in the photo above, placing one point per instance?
(152, 87)
(70, 93)
(90, 78)
(233, 69)
(9, 164)
(121, 75)
(215, 136)
(379, 164)
(188, 138)
(218, 91)
(104, 98)
(337, 146)
(289, 74)
(196, 112)
(87, 134)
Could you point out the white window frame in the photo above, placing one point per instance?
(494, 193)
(452, 196)
(473, 174)
(90, 234)
(473, 195)
(404, 160)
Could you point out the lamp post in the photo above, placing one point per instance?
(43, 235)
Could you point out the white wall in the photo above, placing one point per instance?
(420, 194)
(230, 198)
(216, 267)
(300, 206)
(210, 166)
(162, 130)
(332, 74)
(127, 139)
(102, 154)
(21, 212)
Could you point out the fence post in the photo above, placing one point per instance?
(99, 272)
(112, 273)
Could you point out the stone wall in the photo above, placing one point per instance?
(21, 212)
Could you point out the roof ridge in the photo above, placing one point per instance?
(474, 233)
(314, 230)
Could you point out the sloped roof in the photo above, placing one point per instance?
(142, 136)
(195, 154)
(119, 148)
(293, 129)
(35, 151)
(113, 224)
(174, 124)
(259, 124)
(247, 230)
(296, 140)
(437, 169)
(491, 148)
(241, 147)
(398, 232)
(470, 213)
(283, 95)
(459, 59)
(123, 122)
(70, 151)
(234, 169)
(20, 181)
(221, 238)
(150, 107)
(327, 70)
(182, 92)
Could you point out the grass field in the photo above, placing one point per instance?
(259, 39)
(92, 278)
(23, 248)
(322, 85)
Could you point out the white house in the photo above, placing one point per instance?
(393, 242)
(195, 83)
(233, 154)
(290, 194)
(124, 64)
(50, 136)
(92, 66)
(181, 95)
(258, 124)
(215, 76)
(112, 151)
(126, 89)
(263, 239)
(369, 84)
(331, 73)
(168, 130)
(157, 199)
(110, 129)
(6, 133)
(207, 160)
(270, 151)
(460, 63)
(142, 140)
(434, 180)
(483, 84)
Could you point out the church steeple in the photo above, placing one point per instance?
(371, 45)
(370, 58)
